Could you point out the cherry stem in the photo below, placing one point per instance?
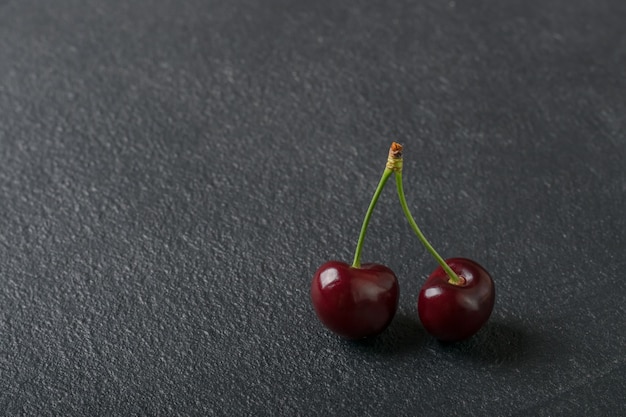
(359, 246)
(454, 278)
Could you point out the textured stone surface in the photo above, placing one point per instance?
(172, 173)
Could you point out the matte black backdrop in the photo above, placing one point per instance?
(173, 172)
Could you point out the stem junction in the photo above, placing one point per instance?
(394, 166)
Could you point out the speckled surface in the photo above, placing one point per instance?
(172, 174)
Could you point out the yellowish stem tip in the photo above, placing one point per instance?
(394, 160)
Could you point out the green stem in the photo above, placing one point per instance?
(454, 278)
(359, 246)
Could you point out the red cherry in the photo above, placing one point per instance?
(453, 312)
(355, 302)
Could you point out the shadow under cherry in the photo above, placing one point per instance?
(499, 342)
(502, 342)
(404, 335)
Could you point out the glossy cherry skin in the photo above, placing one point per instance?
(355, 302)
(455, 312)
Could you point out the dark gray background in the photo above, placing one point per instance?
(173, 172)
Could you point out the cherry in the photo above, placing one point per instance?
(458, 297)
(453, 312)
(355, 302)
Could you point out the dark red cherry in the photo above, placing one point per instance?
(453, 312)
(355, 302)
